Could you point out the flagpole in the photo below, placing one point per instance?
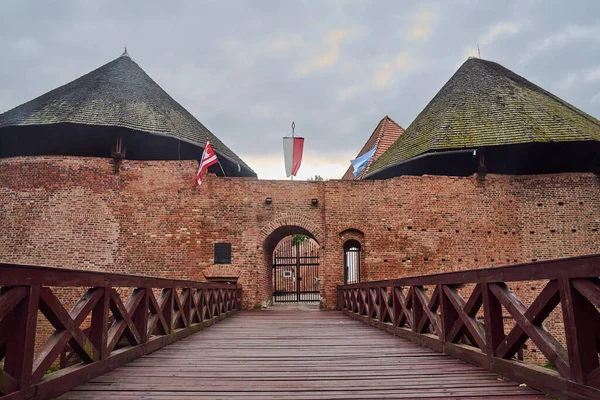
(293, 128)
(222, 170)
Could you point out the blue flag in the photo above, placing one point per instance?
(361, 162)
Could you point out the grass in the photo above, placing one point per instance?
(549, 365)
(52, 369)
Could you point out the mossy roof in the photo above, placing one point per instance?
(118, 94)
(485, 104)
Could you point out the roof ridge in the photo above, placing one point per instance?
(392, 120)
(381, 130)
(381, 127)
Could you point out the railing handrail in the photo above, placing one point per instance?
(33, 275)
(473, 328)
(569, 267)
(156, 313)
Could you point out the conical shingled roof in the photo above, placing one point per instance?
(485, 104)
(118, 94)
(386, 133)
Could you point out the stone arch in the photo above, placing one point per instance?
(307, 224)
(352, 234)
(272, 233)
(347, 236)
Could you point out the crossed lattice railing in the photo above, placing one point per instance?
(101, 331)
(490, 324)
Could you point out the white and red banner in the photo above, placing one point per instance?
(292, 154)
(209, 157)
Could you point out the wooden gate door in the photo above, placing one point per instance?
(296, 272)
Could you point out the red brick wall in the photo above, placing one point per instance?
(150, 219)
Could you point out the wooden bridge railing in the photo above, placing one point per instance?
(101, 329)
(474, 329)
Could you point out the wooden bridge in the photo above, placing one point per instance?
(455, 335)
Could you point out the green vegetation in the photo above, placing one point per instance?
(52, 369)
(549, 365)
(297, 239)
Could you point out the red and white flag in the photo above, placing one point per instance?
(292, 154)
(209, 157)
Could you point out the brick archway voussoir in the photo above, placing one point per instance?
(292, 220)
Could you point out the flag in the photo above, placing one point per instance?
(359, 163)
(292, 154)
(209, 157)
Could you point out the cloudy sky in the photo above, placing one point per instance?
(247, 69)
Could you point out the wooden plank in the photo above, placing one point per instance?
(430, 307)
(578, 312)
(123, 323)
(141, 314)
(57, 341)
(548, 344)
(534, 376)
(536, 313)
(10, 297)
(466, 312)
(99, 323)
(8, 384)
(18, 361)
(20, 274)
(494, 323)
(156, 317)
(58, 383)
(299, 354)
(55, 312)
(572, 267)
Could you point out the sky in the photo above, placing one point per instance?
(247, 69)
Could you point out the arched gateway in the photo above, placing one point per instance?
(291, 254)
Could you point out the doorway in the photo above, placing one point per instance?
(296, 270)
(351, 262)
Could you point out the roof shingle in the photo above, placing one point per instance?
(118, 94)
(485, 104)
(386, 133)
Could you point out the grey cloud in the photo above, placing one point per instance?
(218, 58)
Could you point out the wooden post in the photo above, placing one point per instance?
(448, 313)
(396, 306)
(165, 302)
(298, 275)
(20, 343)
(417, 307)
(494, 324)
(141, 314)
(187, 305)
(99, 325)
(238, 297)
(382, 303)
(581, 341)
(25, 293)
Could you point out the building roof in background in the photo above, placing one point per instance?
(118, 94)
(485, 104)
(386, 133)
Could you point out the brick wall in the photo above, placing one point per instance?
(150, 219)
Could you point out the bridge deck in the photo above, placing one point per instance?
(299, 355)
